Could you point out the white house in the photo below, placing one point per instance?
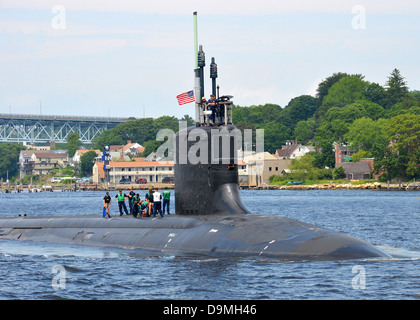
(293, 150)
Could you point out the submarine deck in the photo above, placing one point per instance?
(232, 235)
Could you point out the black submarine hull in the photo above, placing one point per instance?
(218, 235)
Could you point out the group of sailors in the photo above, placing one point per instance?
(217, 113)
(153, 203)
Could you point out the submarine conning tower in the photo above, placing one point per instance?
(206, 171)
(206, 162)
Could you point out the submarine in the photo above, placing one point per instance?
(210, 218)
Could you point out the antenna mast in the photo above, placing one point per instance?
(197, 75)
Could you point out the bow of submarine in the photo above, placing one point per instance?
(276, 237)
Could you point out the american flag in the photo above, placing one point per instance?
(186, 97)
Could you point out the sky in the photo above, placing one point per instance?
(132, 58)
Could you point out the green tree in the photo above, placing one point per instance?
(9, 158)
(165, 122)
(298, 109)
(245, 125)
(151, 146)
(305, 130)
(303, 169)
(404, 132)
(73, 143)
(389, 165)
(396, 87)
(360, 154)
(377, 94)
(258, 116)
(87, 161)
(67, 171)
(140, 131)
(346, 91)
(331, 131)
(275, 135)
(107, 138)
(366, 134)
(339, 173)
(369, 109)
(325, 156)
(326, 84)
(190, 120)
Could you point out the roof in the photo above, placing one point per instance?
(344, 148)
(286, 151)
(132, 164)
(27, 153)
(134, 145)
(44, 154)
(127, 147)
(82, 152)
(115, 147)
(259, 156)
(356, 167)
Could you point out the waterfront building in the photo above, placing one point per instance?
(262, 166)
(41, 162)
(152, 171)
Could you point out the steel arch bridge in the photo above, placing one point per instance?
(44, 128)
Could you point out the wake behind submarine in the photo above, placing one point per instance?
(210, 218)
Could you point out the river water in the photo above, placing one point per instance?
(387, 219)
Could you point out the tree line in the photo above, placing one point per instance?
(376, 121)
(382, 122)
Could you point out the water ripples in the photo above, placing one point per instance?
(391, 223)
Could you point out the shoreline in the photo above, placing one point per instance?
(415, 186)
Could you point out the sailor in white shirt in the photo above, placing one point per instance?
(157, 201)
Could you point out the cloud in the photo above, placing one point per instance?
(72, 29)
(63, 48)
(222, 7)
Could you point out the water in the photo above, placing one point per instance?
(389, 220)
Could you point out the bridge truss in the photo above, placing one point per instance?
(40, 129)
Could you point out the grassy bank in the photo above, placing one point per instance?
(340, 184)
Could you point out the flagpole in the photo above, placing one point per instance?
(195, 41)
(197, 87)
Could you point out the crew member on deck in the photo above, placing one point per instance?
(121, 197)
(212, 105)
(157, 201)
(107, 204)
(130, 196)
